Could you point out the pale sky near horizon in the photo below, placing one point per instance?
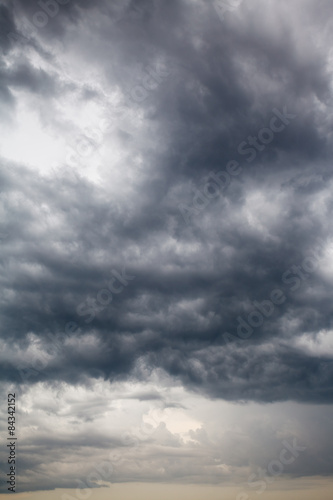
(308, 490)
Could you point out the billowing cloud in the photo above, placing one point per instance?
(165, 205)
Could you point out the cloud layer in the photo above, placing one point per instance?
(166, 201)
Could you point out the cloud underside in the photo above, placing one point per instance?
(166, 238)
(67, 227)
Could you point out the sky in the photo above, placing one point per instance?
(166, 248)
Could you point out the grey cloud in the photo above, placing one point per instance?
(66, 233)
(170, 318)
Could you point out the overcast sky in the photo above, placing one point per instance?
(166, 246)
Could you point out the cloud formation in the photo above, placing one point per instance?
(116, 120)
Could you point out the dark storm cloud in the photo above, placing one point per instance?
(51, 18)
(38, 81)
(7, 25)
(191, 282)
(167, 318)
